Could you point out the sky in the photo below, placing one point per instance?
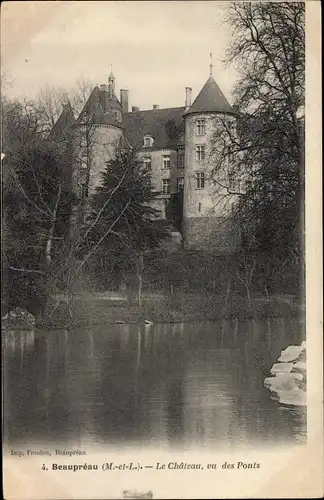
(155, 48)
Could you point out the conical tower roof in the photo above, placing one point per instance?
(64, 122)
(210, 99)
(99, 108)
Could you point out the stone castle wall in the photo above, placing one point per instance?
(197, 202)
(105, 142)
(92, 149)
(212, 233)
(202, 224)
(206, 212)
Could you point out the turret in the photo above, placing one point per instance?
(111, 85)
(98, 132)
(199, 213)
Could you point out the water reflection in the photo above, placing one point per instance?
(182, 384)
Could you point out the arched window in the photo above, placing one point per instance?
(148, 141)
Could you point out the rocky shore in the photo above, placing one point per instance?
(287, 383)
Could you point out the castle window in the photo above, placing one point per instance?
(166, 161)
(148, 141)
(200, 180)
(199, 207)
(200, 127)
(180, 159)
(118, 115)
(147, 162)
(180, 184)
(165, 186)
(200, 152)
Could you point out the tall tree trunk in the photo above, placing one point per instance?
(49, 243)
(140, 286)
(140, 269)
(48, 251)
(248, 292)
(227, 292)
(267, 292)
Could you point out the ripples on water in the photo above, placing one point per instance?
(181, 385)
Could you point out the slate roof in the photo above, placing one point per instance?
(166, 126)
(210, 98)
(99, 109)
(63, 124)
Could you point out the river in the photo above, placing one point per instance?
(174, 385)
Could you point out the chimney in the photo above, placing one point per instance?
(156, 106)
(135, 108)
(124, 100)
(103, 87)
(188, 98)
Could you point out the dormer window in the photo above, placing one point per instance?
(148, 141)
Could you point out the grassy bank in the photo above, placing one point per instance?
(104, 309)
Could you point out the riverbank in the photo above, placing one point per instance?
(109, 308)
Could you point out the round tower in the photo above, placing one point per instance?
(99, 131)
(108, 130)
(202, 213)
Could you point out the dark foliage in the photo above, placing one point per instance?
(259, 162)
(122, 224)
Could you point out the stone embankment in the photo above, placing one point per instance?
(287, 383)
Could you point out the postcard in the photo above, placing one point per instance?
(161, 250)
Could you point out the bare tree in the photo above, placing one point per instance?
(45, 196)
(6, 79)
(245, 273)
(258, 157)
(49, 102)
